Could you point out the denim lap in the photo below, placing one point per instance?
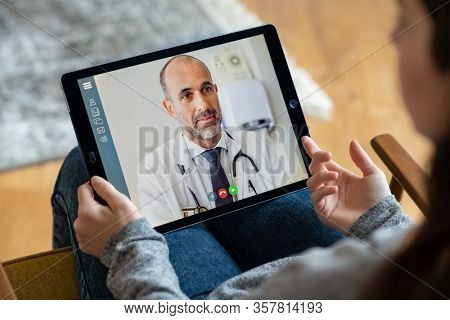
(272, 230)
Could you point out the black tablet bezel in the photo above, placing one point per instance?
(86, 137)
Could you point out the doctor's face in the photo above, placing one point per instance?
(192, 98)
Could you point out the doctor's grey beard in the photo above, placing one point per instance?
(207, 133)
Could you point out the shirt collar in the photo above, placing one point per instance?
(195, 150)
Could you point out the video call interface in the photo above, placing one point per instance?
(186, 134)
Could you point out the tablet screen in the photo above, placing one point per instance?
(188, 133)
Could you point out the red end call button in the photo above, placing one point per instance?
(223, 193)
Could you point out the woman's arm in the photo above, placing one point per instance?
(139, 266)
(386, 214)
(337, 272)
(116, 233)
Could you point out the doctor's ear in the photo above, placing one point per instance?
(215, 88)
(167, 104)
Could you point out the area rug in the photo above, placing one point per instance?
(41, 40)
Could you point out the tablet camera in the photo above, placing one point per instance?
(294, 103)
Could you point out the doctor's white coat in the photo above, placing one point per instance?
(168, 173)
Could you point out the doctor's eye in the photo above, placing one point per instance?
(186, 96)
(207, 89)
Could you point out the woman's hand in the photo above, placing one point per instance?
(96, 223)
(339, 196)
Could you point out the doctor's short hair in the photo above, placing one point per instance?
(162, 79)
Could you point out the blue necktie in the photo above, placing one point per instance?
(218, 178)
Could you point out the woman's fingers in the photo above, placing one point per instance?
(319, 158)
(108, 192)
(319, 195)
(362, 159)
(321, 178)
(85, 196)
(319, 161)
(310, 145)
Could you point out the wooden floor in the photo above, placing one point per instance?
(340, 42)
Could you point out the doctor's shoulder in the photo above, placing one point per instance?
(252, 140)
(157, 161)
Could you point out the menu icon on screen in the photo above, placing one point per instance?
(87, 85)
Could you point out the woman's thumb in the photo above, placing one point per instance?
(362, 159)
(106, 191)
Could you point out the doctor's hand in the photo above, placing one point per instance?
(96, 223)
(339, 196)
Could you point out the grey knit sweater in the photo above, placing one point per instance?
(138, 258)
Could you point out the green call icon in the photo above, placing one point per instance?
(233, 190)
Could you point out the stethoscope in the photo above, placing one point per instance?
(199, 208)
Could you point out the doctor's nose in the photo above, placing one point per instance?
(200, 102)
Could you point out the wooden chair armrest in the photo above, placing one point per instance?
(6, 291)
(407, 174)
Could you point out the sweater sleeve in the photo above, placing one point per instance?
(139, 265)
(337, 272)
(387, 214)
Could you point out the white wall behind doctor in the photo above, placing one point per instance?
(132, 101)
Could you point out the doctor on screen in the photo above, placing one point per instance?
(203, 166)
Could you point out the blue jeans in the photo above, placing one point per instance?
(203, 255)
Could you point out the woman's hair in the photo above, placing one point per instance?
(427, 257)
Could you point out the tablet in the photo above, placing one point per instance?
(195, 131)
